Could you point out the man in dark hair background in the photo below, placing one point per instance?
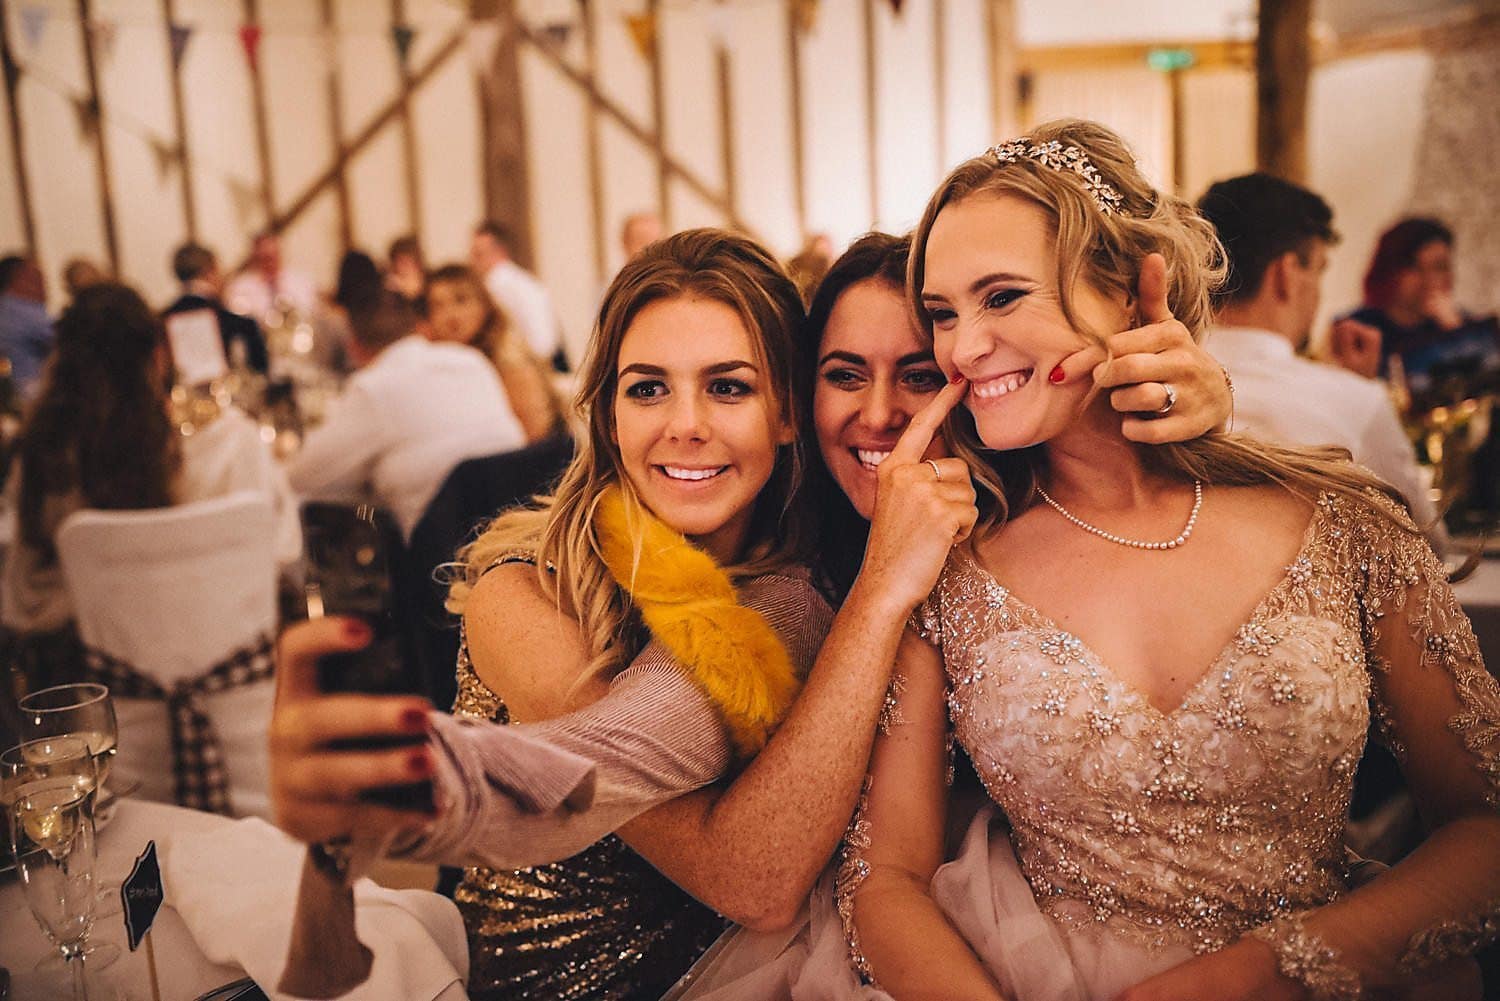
(524, 300)
(197, 268)
(1277, 236)
(25, 328)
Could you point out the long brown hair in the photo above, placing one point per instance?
(559, 529)
(1105, 251)
(100, 425)
(493, 329)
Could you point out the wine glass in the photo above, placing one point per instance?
(54, 769)
(52, 837)
(83, 710)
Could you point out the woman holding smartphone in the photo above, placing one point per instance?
(646, 734)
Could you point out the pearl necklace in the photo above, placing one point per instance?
(1187, 529)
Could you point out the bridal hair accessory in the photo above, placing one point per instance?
(1063, 159)
(730, 651)
(1120, 540)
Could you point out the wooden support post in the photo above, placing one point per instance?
(408, 131)
(106, 202)
(179, 119)
(940, 84)
(262, 127)
(595, 153)
(1283, 61)
(726, 124)
(1005, 70)
(508, 193)
(872, 115)
(335, 98)
(1176, 83)
(12, 71)
(659, 118)
(799, 157)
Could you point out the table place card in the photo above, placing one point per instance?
(240, 990)
(141, 895)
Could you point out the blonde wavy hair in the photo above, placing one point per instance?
(1105, 252)
(560, 529)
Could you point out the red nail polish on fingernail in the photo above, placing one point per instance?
(414, 719)
(356, 631)
(420, 763)
(1056, 375)
(956, 378)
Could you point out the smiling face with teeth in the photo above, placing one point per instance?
(990, 287)
(696, 421)
(874, 373)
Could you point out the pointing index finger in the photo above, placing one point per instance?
(918, 435)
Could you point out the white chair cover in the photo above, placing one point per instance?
(172, 592)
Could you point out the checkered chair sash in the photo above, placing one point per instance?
(200, 777)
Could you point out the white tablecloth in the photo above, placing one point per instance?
(183, 971)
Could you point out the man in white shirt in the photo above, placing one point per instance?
(525, 301)
(1277, 236)
(266, 288)
(413, 411)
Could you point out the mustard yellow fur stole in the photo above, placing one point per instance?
(689, 605)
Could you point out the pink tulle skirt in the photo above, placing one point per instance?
(982, 892)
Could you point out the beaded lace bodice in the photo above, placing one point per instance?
(1199, 824)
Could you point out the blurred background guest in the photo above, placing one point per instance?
(412, 411)
(197, 269)
(25, 328)
(406, 269)
(459, 309)
(640, 230)
(1276, 237)
(79, 273)
(525, 300)
(1408, 293)
(101, 436)
(266, 290)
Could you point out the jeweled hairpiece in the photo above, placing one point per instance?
(1070, 159)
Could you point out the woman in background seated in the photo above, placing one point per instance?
(460, 309)
(100, 436)
(1409, 302)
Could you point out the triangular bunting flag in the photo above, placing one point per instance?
(34, 19)
(247, 203)
(180, 33)
(805, 15)
(167, 155)
(87, 113)
(557, 33)
(402, 36)
(642, 32)
(104, 32)
(483, 41)
(896, 7)
(12, 71)
(720, 24)
(250, 42)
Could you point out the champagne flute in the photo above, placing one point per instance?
(52, 837)
(47, 772)
(81, 710)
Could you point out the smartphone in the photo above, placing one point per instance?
(353, 554)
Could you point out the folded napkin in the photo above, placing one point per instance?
(236, 889)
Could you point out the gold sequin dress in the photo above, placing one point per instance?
(1138, 838)
(602, 925)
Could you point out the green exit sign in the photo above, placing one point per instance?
(1167, 60)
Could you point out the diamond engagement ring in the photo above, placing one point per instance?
(1166, 408)
(935, 470)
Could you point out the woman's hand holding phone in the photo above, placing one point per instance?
(335, 757)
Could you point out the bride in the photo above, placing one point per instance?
(1162, 660)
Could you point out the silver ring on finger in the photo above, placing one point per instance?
(936, 470)
(1166, 408)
